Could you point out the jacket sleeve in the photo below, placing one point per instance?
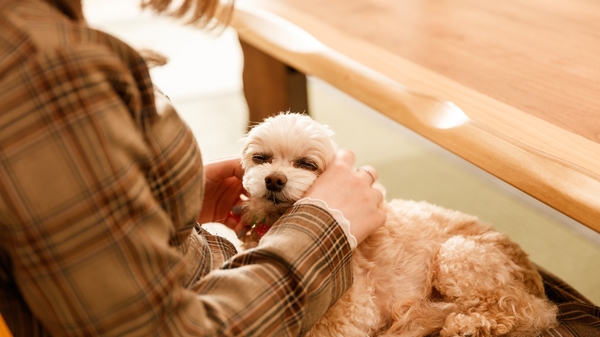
(300, 268)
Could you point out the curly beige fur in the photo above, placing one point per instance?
(431, 270)
(427, 271)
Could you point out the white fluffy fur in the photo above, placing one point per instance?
(428, 271)
(286, 139)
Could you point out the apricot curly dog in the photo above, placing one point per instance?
(427, 271)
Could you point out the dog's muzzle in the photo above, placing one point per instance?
(275, 182)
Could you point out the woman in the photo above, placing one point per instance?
(101, 187)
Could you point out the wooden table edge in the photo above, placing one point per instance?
(527, 164)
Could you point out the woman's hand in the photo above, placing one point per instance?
(350, 191)
(222, 190)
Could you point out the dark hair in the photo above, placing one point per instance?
(71, 8)
(203, 13)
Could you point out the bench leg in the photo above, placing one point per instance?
(271, 86)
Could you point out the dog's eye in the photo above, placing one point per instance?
(261, 158)
(306, 164)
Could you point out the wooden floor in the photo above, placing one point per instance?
(203, 78)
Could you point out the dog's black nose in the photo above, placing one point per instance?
(275, 181)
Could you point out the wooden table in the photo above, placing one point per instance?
(511, 86)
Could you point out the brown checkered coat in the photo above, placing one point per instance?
(100, 187)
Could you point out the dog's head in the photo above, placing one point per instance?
(283, 156)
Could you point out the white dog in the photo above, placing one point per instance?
(427, 271)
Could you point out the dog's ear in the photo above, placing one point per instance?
(245, 143)
(330, 134)
(328, 130)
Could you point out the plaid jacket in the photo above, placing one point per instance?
(100, 186)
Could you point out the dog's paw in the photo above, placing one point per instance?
(466, 325)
